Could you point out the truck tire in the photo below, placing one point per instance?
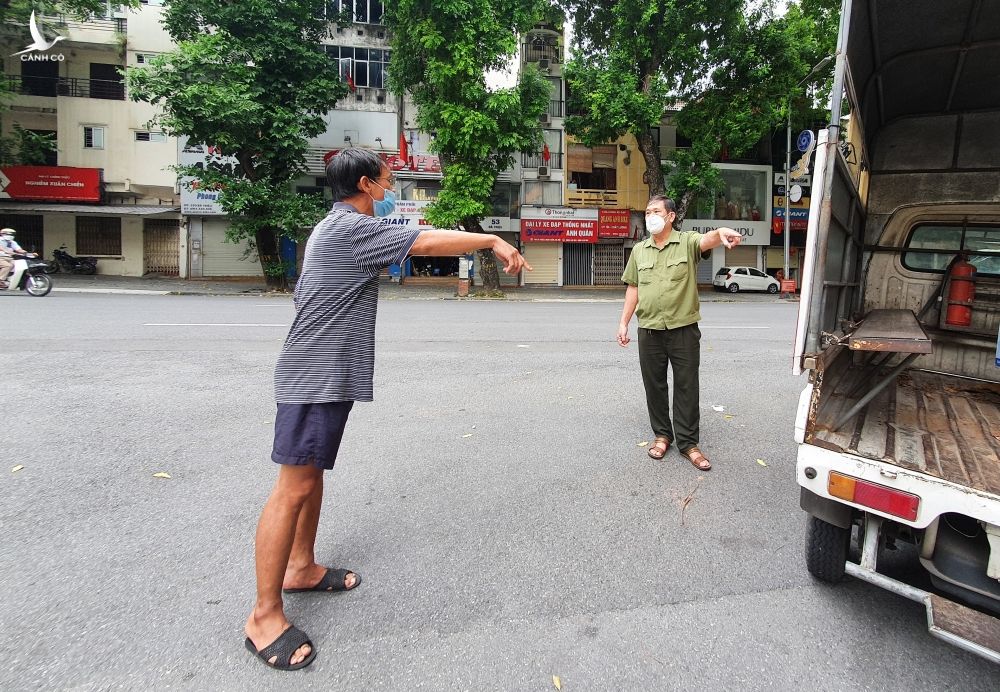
(826, 550)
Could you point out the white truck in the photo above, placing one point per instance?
(898, 428)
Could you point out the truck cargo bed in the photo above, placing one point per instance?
(944, 426)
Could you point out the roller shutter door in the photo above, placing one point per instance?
(743, 256)
(544, 259)
(578, 263)
(222, 258)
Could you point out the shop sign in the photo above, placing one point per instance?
(798, 219)
(50, 183)
(197, 200)
(613, 223)
(753, 232)
(558, 225)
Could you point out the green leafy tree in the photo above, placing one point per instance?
(26, 148)
(252, 79)
(727, 67)
(442, 51)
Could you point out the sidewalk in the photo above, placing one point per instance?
(74, 283)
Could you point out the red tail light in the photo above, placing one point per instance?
(873, 495)
(728, 277)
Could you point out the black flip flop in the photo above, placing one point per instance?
(283, 648)
(333, 580)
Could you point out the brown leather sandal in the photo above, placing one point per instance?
(697, 459)
(659, 448)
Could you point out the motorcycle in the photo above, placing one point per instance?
(63, 261)
(29, 275)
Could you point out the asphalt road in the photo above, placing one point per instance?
(507, 525)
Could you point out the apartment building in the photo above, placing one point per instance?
(107, 189)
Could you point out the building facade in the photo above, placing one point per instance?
(107, 190)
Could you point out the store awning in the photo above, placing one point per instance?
(102, 209)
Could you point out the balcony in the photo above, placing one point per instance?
(600, 199)
(542, 47)
(67, 86)
(555, 108)
(536, 160)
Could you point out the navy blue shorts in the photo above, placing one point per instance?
(309, 434)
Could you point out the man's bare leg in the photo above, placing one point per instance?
(294, 489)
(302, 571)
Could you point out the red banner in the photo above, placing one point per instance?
(50, 183)
(613, 223)
(559, 230)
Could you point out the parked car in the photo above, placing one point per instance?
(736, 279)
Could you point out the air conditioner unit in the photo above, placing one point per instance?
(543, 172)
(543, 63)
(544, 118)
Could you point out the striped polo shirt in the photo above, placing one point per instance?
(329, 353)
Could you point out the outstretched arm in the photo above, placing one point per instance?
(720, 236)
(444, 243)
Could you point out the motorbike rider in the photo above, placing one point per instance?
(8, 243)
(5, 266)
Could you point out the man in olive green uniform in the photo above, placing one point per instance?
(662, 278)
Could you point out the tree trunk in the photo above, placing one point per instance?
(488, 272)
(682, 206)
(654, 172)
(275, 272)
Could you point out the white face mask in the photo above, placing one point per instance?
(655, 224)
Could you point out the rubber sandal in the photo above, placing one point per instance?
(697, 459)
(333, 580)
(283, 648)
(654, 450)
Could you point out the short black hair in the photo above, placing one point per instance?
(346, 169)
(668, 203)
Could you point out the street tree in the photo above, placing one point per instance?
(252, 80)
(442, 52)
(726, 67)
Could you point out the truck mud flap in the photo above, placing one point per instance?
(958, 625)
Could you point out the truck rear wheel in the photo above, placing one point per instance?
(826, 550)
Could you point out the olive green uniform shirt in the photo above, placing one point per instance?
(667, 278)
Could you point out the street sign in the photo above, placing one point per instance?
(806, 140)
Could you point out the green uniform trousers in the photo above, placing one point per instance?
(681, 349)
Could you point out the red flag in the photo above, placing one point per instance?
(350, 83)
(404, 149)
(545, 154)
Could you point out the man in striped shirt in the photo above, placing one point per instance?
(326, 364)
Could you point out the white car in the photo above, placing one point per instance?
(736, 279)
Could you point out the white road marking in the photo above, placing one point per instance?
(728, 326)
(210, 324)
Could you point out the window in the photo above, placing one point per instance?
(367, 66)
(93, 137)
(363, 11)
(143, 136)
(98, 235)
(542, 193)
(743, 196)
(933, 247)
(143, 58)
(758, 273)
(741, 272)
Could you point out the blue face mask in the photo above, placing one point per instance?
(386, 205)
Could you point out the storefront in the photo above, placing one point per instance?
(558, 243)
(743, 204)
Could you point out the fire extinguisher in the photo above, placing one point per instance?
(962, 289)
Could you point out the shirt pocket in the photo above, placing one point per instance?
(677, 269)
(645, 268)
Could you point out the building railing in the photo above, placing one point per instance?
(592, 198)
(67, 86)
(536, 160)
(555, 108)
(118, 25)
(537, 50)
